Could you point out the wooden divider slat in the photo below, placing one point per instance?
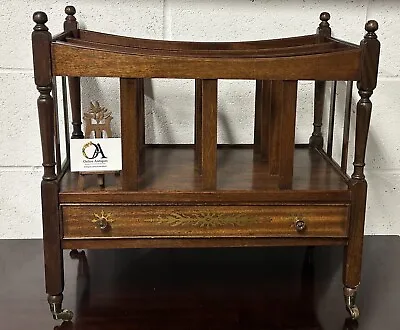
(198, 123)
(287, 137)
(129, 132)
(275, 126)
(141, 123)
(209, 133)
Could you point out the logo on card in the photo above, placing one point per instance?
(96, 155)
(92, 150)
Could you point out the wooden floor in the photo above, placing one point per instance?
(264, 288)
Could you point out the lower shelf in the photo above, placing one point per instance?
(169, 175)
(171, 210)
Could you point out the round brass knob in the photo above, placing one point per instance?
(300, 225)
(102, 221)
(102, 224)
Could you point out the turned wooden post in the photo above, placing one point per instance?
(74, 83)
(41, 40)
(370, 49)
(316, 139)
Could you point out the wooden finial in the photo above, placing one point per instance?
(40, 18)
(70, 10)
(371, 27)
(70, 23)
(325, 17)
(324, 27)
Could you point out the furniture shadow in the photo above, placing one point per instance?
(231, 288)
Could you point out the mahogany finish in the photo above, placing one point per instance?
(133, 221)
(208, 134)
(130, 121)
(207, 195)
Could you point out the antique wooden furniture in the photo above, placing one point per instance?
(207, 195)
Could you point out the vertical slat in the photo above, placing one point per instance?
(129, 133)
(316, 139)
(66, 116)
(346, 126)
(262, 118)
(141, 123)
(75, 96)
(56, 127)
(275, 126)
(331, 119)
(287, 138)
(198, 123)
(209, 134)
(258, 117)
(265, 119)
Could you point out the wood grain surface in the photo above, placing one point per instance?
(338, 65)
(205, 221)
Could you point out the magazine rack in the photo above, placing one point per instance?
(272, 192)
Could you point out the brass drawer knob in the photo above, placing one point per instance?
(300, 225)
(102, 221)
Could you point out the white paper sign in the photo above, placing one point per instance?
(96, 155)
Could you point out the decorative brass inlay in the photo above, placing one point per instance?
(103, 220)
(204, 219)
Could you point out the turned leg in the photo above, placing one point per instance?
(370, 48)
(53, 258)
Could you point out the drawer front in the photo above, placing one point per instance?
(124, 221)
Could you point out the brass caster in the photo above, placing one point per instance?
(57, 311)
(75, 254)
(65, 315)
(354, 312)
(350, 300)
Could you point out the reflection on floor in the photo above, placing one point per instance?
(240, 288)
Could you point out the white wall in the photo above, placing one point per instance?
(169, 103)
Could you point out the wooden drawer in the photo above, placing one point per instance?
(124, 221)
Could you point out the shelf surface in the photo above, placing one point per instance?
(170, 172)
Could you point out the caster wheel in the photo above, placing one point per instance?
(64, 315)
(75, 254)
(354, 312)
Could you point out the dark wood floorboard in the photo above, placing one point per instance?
(250, 288)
